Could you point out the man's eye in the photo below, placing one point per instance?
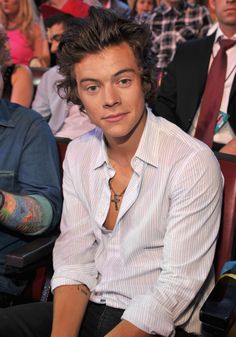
(125, 82)
(92, 88)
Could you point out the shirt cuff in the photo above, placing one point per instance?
(150, 316)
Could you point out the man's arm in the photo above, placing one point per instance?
(69, 306)
(38, 171)
(192, 225)
(127, 329)
(29, 215)
(74, 251)
(22, 86)
(41, 102)
(229, 148)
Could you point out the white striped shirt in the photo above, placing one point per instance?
(159, 255)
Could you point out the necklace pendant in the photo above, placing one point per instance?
(116, 200)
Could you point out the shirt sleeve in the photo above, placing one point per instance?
(39, 169)
(74, 259)
(189, 246)
(41, 102)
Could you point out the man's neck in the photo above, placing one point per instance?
(228, 31)
(124, 148)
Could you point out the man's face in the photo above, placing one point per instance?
(226, 13)
(109, 85)
(54, 36)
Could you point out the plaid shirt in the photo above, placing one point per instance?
(171, 26)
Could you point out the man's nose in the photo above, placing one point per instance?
(54, 47)
(111, 97)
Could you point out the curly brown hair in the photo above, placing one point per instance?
(102, 29)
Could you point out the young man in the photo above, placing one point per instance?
(180, 96)
(142, 202)
(30, 193)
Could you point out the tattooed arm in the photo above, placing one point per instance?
(29, 215)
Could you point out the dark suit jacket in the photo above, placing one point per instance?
(181, 90)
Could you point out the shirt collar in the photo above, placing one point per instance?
(102, 156)
(146, 149)
(219, 34)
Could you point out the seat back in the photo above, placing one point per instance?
(225, 249)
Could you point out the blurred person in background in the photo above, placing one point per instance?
(181, 95)
(142, 6)
(74, 7)
(30, 193)
(18, 86)
(119, 7)
(65, 119)
(25, 30)
(172, 23)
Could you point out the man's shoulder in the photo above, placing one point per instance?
(90, 140)
(195, 48)
(196, 43)
(85, 150)
(15, 113)
(52, 74)
(176, 140)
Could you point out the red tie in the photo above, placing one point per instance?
(213, 93)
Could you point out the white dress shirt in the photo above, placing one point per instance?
(157, 261)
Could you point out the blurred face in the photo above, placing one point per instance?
(172, 3)
(144, 6)
(54, 36)
(226, 13)
(10, 7)
(56, 3)
(109, 85)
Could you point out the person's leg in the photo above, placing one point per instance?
(182, 333)
(99, 319)
(27, 320)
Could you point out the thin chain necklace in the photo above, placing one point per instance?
(116, 197)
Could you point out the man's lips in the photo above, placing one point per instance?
(230, 9)
(115, 117)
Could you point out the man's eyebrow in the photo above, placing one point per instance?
(120, 72)
(126, 70)
(86, 79)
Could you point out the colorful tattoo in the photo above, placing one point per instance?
(21, 213)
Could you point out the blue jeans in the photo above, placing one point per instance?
(10, 283)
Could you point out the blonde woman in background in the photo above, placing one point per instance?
(25, 30)
(18, 86)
